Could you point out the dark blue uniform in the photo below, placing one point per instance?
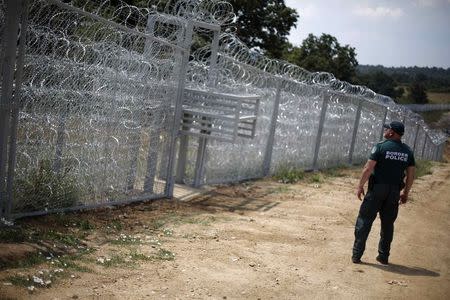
(383, 194)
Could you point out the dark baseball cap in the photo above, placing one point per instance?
(397, 126)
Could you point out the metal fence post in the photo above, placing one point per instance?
(152, 155)
(182, 153)
(323, 112)
(15, 109)
(203, 141)
(355, 131)
(178, 108)
(272, 129)
(424, 145)
(8, 59)
(415, 137)
(384, 122)
(200, 162)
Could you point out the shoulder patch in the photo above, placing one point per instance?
(374, 149)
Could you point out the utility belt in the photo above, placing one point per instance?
(372, 183)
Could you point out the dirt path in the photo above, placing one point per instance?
(261, 240)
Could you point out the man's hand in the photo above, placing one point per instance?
(359, 192)
(403, 197)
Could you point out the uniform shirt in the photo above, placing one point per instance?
(392, 157)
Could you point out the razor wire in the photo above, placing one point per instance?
(242, 70)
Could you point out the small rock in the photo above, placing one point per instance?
(75, 297)
(252, 264)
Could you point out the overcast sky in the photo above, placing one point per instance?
(389, 33)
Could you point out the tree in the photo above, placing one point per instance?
(264, 24)
(381, 83)
(324, 54)
(417, 90)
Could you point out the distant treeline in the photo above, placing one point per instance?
(434, 79)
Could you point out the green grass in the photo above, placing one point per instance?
(279, 190)
(116, 225)
(13, 235)
(164, 254)
(19, 280)
(126, 240)
(135, 256)
(316, 178)
(29, 261)
(64, 238)
(289, 174)
(423, 167)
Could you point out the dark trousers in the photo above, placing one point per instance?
(382, 198)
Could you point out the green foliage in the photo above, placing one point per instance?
(381, 83)
(436, 79)
(288, 174)
(12, 235)
(124, 240)
(417, 91)
(19, 280)
(30, 260)
(116, 225)
(42, 188)
(264, 24)
(164, 254)
(324, 54)
(423, 167)
(316, 178)
(64, 238)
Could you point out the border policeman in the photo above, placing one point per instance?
(385, 170)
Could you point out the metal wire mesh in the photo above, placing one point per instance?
(96, 107)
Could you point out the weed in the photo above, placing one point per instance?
(124, 240)
(116, 224)
(139, 256)
(316, 178)
(168, 232)
(289, 174)
(68, 263)
(279, 190)
(19, 280)
(113, 261)
(29, 261)
(164, 254)
(423, 167)
(86, 225)
(42, 188)
(64, 238)
(12, 235)
(157, 224)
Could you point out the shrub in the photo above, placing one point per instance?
(289, 174)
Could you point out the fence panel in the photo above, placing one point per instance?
(95, 110)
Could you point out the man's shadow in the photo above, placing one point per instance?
(404, 270)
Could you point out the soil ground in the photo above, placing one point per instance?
(255, 240)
